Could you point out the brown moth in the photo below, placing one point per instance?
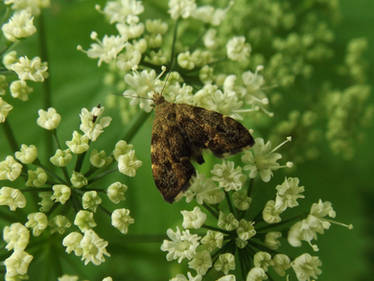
(179, 133)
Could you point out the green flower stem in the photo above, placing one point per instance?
(172, 55)
(64, 169)
(211, 210)
(228, 199)
(78, 164)
(131, 132)
(49, 172)
(103, 174)
(46, 85)
(91, 171)
(282, 223)
(250, 187)
(243, 267)
(44, 56)
(216, 229)
(8, 132)
(106, 211)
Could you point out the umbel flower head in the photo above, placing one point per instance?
(210, 238)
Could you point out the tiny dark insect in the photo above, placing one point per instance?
(179, 133)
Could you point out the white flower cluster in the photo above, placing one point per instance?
(254, 237)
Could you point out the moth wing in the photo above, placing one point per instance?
(170, 156)
(209, 129)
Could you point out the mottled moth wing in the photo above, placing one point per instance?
(179, 133)
(209, 129)
(170, 153)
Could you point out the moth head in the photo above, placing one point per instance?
(158, 99)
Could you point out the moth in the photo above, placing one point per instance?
(179, 133)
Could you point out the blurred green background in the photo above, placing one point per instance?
(76, 82)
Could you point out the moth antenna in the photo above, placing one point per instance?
(137, 97)
(166, 81)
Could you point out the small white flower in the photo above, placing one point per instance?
(263, 260)
(34, 6)
(237, 49)
(99, 159)
(240, 200)
(201, 262)
(34, 70)
(209, 14)
(281, 263)
(27, 154)
(270, 214)
(129, 59)
(10, 58)
(37, 177)
(256, 274)
(46, 202)
(288, 193)
(84, 220)
(245, 229)
(122, 147)
(307, 229)
(306, 267)
(92, 124)
(61, 193)
(49, 119)
(128, 164)
(107, 279)
(116, 192)
(38, 222)
(142, 85)
(182, 245)
(205, 190)
(225, 263)
(156, 26)
(212, 98)
(10, 169)
(181, 8)
(93, 248)
(121, 220)
(16, 236)
(261, 160)
(212, 240)
(59, 224)
(272, 240)
(107, 49)
(130, 31)
(123, 10)
(61, 158)
(193, 219)
(78, 180)
(72, 243)
(11, 197)
(17, 265)
(227, 221)
(185, 60)
(78, 143)
(209, 39)
(19, 26)
(91, 200)
(5, 108)
(227, 176)
(20, 90)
